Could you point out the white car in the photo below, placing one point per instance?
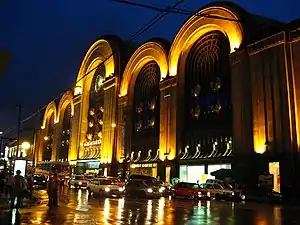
(217, 189)
(106, 187)
(78, 181)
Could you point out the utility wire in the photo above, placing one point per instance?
(142, 30)
(175, 10)
(186, 12)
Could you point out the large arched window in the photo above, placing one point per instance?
(146, 109)
(49, 139)
(65, 136)
(207, 93)
(96, 102)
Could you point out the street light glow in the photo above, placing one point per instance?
(1, 132)
(25, 145)
(113, 125)
(46, 138)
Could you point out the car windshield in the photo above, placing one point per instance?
(151, 182)
(38, 178)
(78, 178)
(107, 182)
(194, 186)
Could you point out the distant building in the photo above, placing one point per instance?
(224, 94)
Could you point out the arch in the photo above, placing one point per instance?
(65, 100)
(50, 109)
(96, 54)
(150, 51)
(107, 50)
(197, 26)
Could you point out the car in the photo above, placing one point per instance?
(39, 182)
(143, 189)
(223, 192)
(78, 181)
(189, 191)
(106, 187)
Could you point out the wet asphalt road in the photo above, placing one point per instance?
(75, 207)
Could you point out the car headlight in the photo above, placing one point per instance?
(34, 181)
(150, 190)
(232, 193)
(44, 181)
(80, 183)
(107, 190)
(121, 189)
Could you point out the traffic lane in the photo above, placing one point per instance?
(76, 207)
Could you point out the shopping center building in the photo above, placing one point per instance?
(223, 94)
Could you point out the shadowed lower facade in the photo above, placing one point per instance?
(223, 94)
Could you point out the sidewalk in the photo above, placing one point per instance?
(26, 202)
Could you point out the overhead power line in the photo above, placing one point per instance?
(186, 12)
(175, 10)
(139, 32)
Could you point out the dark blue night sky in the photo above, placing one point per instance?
(48, 40)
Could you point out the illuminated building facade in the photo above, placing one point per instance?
(223, 94)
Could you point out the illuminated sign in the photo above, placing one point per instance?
(20, 164)
(92, 143)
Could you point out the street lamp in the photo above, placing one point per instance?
(25, 145)
(113, 125)
(1, 132)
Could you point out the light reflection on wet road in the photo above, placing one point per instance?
(75, 207)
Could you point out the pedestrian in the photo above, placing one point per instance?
(9, 180)
(29, 185)
(56, 181)
(17, 189)
(50, 191)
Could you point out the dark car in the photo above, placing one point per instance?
(39, 182)
(262, 194)
(143, 189)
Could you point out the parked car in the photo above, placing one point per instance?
(106, 187)
(189, 191)
(39, 182)
(143, 188)
(223, 191)
(78, 181)
(263, 194)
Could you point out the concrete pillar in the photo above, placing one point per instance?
(75, 130)
(109, 117)
(122, 126)
(168, 123)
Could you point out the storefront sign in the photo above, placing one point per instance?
(89, 165)
(91, 143)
